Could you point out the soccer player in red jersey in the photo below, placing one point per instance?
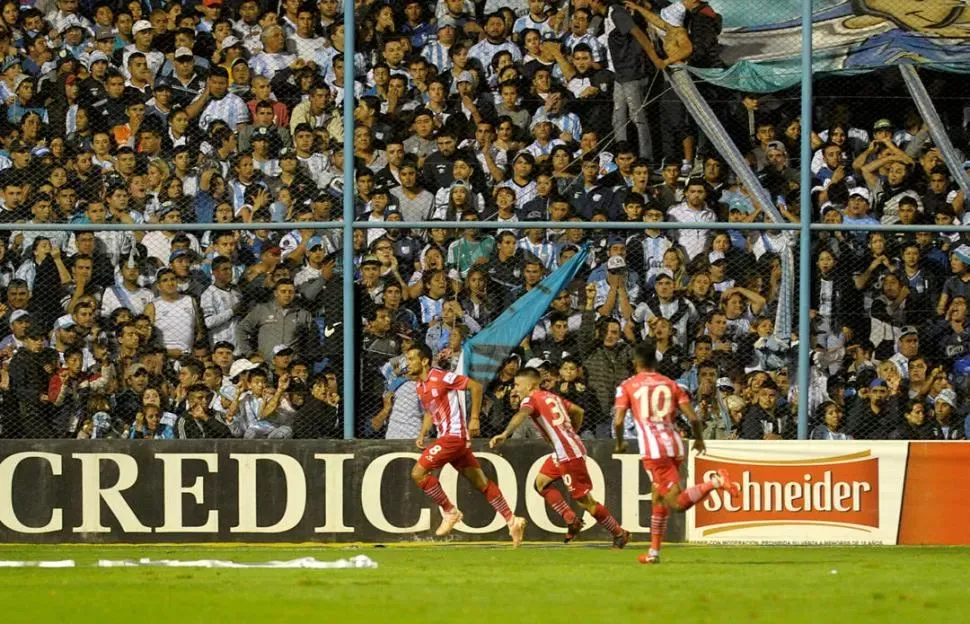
(654, 400)
(439, 393)
(557, 421)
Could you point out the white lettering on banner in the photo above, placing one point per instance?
(370, 496)
(8, 515)
(295, 483)
(505, 478)
(630, 493)
(92, 493)
(536, 507)
(174, 490)
(793, 496)
(333, 492)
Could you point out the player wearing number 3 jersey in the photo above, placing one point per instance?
(439, 393)
(557, 421)
(654, 401)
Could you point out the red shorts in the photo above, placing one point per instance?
(573, 473)
(449, 450)
(664, 473)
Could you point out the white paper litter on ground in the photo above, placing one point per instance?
(305, 563)
(64, 563)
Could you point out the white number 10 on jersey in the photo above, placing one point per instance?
(656, 403)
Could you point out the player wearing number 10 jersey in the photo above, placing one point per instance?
(439, 391)
(557, 421)
(654, 401)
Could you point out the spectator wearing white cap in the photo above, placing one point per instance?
(907, 348)
(282, 358)
(64, 336)
(857, 210)
(947, 424)
(617, 287)
(19, 324)
(187, 82)
(143, 33)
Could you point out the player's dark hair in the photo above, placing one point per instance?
(645, 354)
(424, 352)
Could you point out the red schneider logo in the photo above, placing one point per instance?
(825, 491)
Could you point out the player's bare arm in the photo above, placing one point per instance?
(696, 428)
(425, 428)
(514, 424)
(576, 414)
(618, 417)
(474, 424)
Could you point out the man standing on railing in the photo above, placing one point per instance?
(631, 69)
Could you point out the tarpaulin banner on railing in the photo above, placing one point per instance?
(835, 492)
(761, 48)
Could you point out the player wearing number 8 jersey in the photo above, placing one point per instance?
(439, 391)
(557, 421)
(654, 400)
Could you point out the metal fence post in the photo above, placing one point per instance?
(805, 219)
(349, 351)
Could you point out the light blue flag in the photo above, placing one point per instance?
(484, 353)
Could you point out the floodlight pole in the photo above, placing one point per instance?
(805, 220)
(349, 351)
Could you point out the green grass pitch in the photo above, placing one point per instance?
(475, 583)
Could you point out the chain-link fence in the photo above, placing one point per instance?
(171, 333)
(889, 341)
(568, 114)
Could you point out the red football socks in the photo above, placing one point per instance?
(432, 487)
(658, 525)
(693, 495)
(602, 515)
(494, 497)
(555, 500)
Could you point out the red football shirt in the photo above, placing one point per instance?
(439, 396)
(550, 414)
(654, 399)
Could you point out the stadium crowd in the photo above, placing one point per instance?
(157, 112)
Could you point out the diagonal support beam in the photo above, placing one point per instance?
(937, 132)
(683, 85)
